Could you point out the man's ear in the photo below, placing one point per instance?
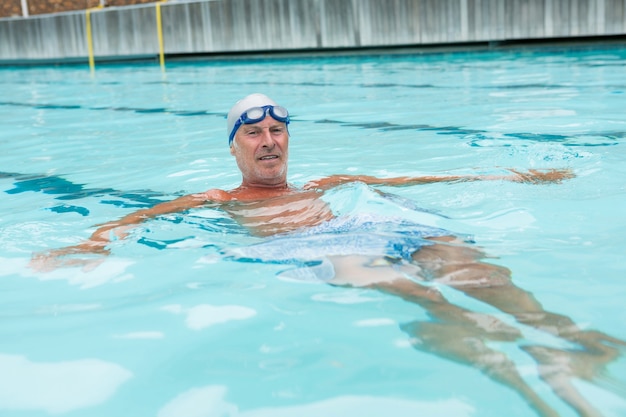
(232, 149)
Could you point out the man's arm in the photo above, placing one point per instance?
(117, 229)
(533, 176)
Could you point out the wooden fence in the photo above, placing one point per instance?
(256, 26)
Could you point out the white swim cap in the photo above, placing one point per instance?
(243, 105)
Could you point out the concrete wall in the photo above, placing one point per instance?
(224, 26)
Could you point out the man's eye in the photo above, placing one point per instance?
(278, 130)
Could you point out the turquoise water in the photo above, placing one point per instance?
(167, 326)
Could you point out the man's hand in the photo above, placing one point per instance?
(57, 258)
(534, 176)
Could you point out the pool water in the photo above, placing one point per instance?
(168, 325)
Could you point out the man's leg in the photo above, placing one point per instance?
(455, 264)
(455, 333)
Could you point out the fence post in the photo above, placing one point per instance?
(25, 8)
(159, 24)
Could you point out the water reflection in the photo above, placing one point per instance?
(57, 387)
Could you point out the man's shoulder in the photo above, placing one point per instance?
(215, 195)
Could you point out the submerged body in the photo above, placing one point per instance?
(285, 213)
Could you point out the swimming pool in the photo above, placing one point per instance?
(167, 326)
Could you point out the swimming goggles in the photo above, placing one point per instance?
(256, 114)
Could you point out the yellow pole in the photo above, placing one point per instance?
(92, 66)
(159, 24)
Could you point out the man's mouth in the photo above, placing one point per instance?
(267, 157)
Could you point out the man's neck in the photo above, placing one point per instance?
(252, 191)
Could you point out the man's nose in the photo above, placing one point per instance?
(266, 138)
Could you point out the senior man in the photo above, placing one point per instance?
(269, 206)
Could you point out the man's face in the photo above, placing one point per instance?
(261, 151)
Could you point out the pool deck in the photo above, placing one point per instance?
(258, 28)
